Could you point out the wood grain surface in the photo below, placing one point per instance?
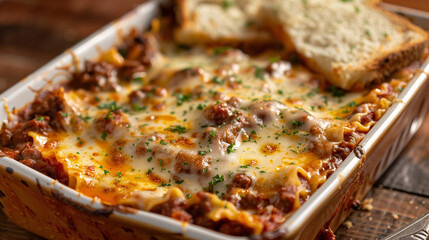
(34, 31)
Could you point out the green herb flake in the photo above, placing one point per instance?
(275, 59)
(218, 80)
(202, 152)
(336, 92)
(40, 119)
(230, 148)
(259, 73)
(104, 135)
(220, 50)
(112, 106)
(177, 128)
(183, 98)
(367, 32)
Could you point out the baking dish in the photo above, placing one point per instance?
(80, 217)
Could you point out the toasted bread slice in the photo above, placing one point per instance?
(220, 22)
(352, 43)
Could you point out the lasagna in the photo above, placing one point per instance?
(217, 136)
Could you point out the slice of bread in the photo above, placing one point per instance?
(220, 22)
(353, 43)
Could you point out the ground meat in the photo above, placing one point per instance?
(49, 166)
(136, 96)
(20, 131)
(190, 162)
(271, 218)
(287, 198)
(31, 153)
(265, 112)
(222, 113)
(234, 102)
(97, 76)
(5, 136)
(228, 134)
(181, 78)
(141, 148)
(240, 180)
(145, 49)
(146, 92)
(110, 122)
(370, 117)
(320, 147)
(163, 154)
(130, 69)
(47, 103)
(173, 208)
(233, 228)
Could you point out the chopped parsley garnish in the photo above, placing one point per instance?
(259, 73)
(104, 135)
(201, 106)
(40, 119)
(215, 180)
(138, 80)
(138, 108)
(180, 181)
(336, 92)
(179, 129)
(245, 166)
(275, 59)
(106, 172)
(188, 196)
(296, 124)
(163, 184)
(162, 142)
(230, 148)
(352, 104)
(84, 118)
(367, 32)
(226, 4)
(357, 10)
(220, 50)
(149, 159)
(218, 80)
(64, 114)
(183, 98)
(202, 152)
(212, 133)
(112, 106)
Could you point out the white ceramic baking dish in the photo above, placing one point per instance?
(52, 210)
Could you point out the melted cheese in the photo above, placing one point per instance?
(272, 153)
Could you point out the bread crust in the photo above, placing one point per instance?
(186, 34)
(374, 70)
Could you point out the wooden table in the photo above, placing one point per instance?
(34, 31)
